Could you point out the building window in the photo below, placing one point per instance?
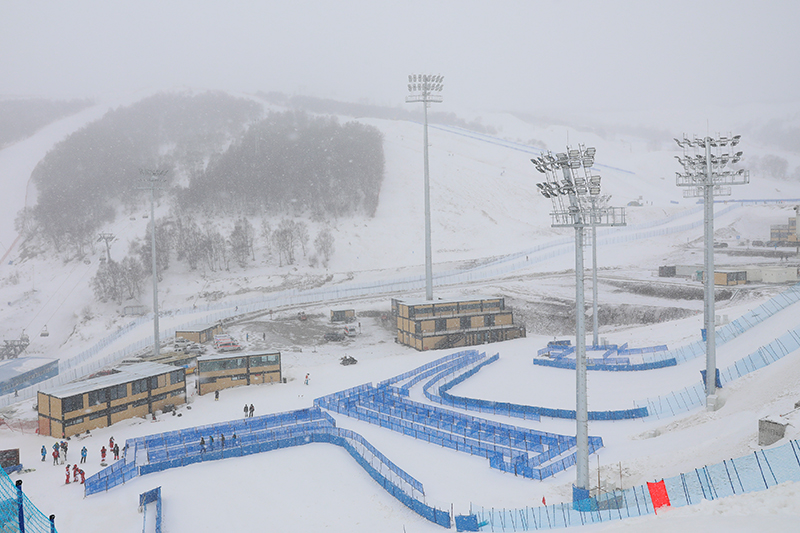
(465, 322)
(72, 422)
(73, 403)
(441, 324)
(488, 320)
(97, 397)
(177, 376)
(139, 386)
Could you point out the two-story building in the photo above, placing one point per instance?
(437, 324)
(132, 390)
(222, 371)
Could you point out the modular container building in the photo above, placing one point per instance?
(222, 371)
(134, 390)
(200, 334)
(343, 315)
(730, 277)
(438, 324)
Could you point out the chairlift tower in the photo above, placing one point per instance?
(706, 175)
(573, 189)
(427, 89)
(155, 178)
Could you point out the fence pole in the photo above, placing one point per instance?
(20, 507)
(52, 523)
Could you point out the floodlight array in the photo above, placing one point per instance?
(710, 168)
(573, 189)
(425, 88)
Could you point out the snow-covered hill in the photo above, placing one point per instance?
(485, 206)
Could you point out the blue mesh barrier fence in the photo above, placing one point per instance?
(521, 451)
(757, 471)
(691, 397)
(155, 453)
(436, 390)
(17, 511)
(149, 497)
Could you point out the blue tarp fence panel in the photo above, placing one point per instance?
(757, 471)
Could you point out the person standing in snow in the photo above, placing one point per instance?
(102, 455)
(67, 482)
(83, 475)
(116, 451)
(252, 409)
(245, 410)
(216, 395)
(307, 378)
(75, 473)
(44, 452)
(202, 445)
(84, 451)
(55, 456)
(64, 447)
(111, 443)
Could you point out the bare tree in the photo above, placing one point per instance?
(324, 245)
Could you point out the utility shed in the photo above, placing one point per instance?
(132, 390)
(730, 277)
(438, 324)
(343, 315)
(200, 333)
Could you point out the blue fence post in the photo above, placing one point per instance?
(20, 507)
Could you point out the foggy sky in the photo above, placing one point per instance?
(541, 57)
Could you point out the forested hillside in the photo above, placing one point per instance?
(295, 161)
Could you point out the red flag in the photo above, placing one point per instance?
(658, 495)
(544, 502)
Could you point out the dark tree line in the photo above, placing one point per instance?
(293, 162)
(98, 167)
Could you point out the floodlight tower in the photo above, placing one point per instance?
(154, 178)
(578, 211)
(426, 88)
(705, 175)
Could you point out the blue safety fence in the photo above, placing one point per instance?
(18, 513)
(735, 328)
(619, 364)
(693, 396)
(151, 496)
(522, 451)
(757, 471)
(436, 390)
(155, 453)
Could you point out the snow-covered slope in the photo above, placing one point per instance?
(484, 206)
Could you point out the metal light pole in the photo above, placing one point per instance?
(705, 176)
(579, 211)
(154, 179)
(426, 88)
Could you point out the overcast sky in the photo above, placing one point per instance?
(534, 56)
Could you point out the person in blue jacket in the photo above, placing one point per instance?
(44, 452)
(84, 451)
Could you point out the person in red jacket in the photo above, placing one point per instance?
(67, 474)
(103, 454)
(75, 473)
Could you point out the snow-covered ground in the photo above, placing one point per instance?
(484, 206)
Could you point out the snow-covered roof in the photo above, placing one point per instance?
(235, 355)
(122, 374)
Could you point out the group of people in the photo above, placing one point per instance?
(211, 442)
(61, 448)
(75, 473)
(248, 411)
